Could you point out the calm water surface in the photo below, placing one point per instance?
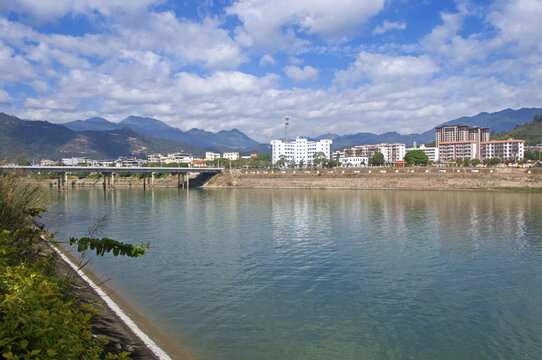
(325, 274)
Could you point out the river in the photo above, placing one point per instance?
(324, 274)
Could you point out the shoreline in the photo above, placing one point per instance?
(117, 321)
(516, 181)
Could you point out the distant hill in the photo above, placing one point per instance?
(531, 132)
(498, 121)
(95, 123)
(35, 140)
(225, 140)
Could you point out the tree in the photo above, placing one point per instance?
(466, 162)
(319, 158)
(264, 157)
(416, 157)
(281, 161)
(459, 161)
(377, 159)
(475, 162)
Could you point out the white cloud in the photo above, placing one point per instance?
(308, 73)
(387, 26)
(50, 10)
(267, 60)
(403, 70)
(14, 67)
(519, 27)
(277, 24)
(295, 60)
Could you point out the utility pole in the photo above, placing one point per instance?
(286, 124)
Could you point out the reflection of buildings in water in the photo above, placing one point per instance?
(468, 222)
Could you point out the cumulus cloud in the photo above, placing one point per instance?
(277, 24)
(308, 73)
(387, 26)
(267, 60)
(403, 70)
(14, 67)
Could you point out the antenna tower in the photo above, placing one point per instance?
(286, 124)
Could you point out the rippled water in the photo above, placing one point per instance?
(325, 274)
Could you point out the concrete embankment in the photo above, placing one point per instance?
(375, 178)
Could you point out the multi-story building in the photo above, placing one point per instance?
(209, 156)
(449, 134)
(431, 152)
(503, 149)
(354, 161)
(300, 151)
(173, 158)
(231, 155)
(392, 152)
(452, 150)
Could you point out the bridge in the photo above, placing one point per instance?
(109, 173)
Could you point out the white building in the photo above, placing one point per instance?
(511, 149)
(300, 151)
(392, 152)
(209, 156)
(354, 161)
(431, 152)
(74, 161)
(231, 155)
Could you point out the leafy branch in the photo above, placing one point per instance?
(104, 245)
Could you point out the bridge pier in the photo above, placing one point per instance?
(112, 180)
(144, 181)
(187, 181)
(65, 181)
(178, 180)
(59, 180)
(152, 176)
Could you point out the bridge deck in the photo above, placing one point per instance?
(109, 170)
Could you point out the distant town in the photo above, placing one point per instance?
(454, 145)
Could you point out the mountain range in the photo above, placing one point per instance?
(225, 140)
(138, 136)
(498, 122)
(35, 140)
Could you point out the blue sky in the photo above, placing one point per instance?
(340, 66)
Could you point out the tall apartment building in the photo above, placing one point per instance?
(460, 141)
(300, 150)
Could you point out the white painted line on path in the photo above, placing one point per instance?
(161, 354)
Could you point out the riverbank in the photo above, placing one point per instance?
(123, 328)
(369, 179)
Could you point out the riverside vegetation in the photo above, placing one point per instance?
(39, 315)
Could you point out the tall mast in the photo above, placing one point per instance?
(286, 123)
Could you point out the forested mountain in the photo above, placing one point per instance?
(531, 132)
(35, 140)
(498, 121)
(225, 140)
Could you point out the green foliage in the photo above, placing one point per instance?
(264, 157)
(81, 174)
(39, 318)
(531, 132)
(104, 245)
(377, 159)
(24, 163)
(416, 157)
(492, 162)
(533, 155)
(18, 204)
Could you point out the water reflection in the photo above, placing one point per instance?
(327, 274)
